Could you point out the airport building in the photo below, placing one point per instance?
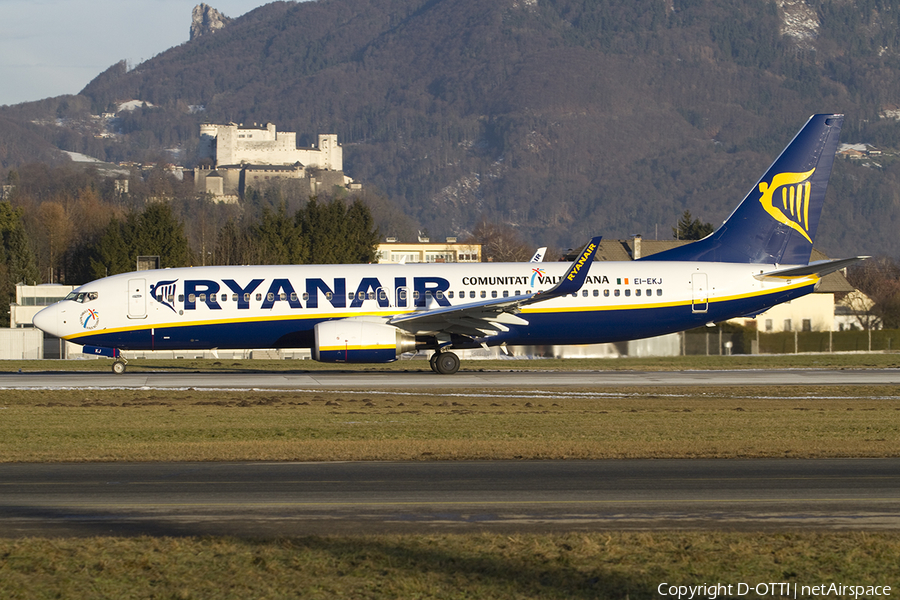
(425, 251)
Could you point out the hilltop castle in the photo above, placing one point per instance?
(241, 157)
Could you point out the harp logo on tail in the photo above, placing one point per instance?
(787, 200)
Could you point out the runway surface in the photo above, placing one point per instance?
(279, 499)
(463, 379)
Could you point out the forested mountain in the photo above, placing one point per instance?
(563, 118)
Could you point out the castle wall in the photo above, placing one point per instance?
(252, 156)
(234, 144)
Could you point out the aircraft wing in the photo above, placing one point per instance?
(819, 268)
(491, 317)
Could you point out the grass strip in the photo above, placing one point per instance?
(485, 566)
(652, 422)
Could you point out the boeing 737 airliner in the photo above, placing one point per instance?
(757, 258)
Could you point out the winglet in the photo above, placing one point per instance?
(574, 277)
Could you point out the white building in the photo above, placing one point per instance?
(22, 340)
(30, 299)
(395, 252)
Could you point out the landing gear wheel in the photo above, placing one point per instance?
(433, 360)
(118, 367)
(446, 363)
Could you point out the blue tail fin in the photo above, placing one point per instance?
(776, 223)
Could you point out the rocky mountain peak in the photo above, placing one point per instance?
(206, 20)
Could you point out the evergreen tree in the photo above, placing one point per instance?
(337, 234)
(111, 255)
(160, 233)
(363, 235)
(17, 260)
(154, 232)
(276, 239)
(233, 245)
(689, 229)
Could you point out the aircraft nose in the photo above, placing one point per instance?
(48, 320)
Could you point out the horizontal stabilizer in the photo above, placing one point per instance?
(819, 268)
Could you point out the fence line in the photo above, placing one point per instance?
(715, 341)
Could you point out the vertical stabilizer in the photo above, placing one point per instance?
(776, 222)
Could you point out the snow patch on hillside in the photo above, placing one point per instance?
(800, 22)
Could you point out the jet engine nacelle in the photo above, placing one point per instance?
(351, 340)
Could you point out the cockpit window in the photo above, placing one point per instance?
(82, 297)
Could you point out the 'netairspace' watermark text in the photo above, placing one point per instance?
(780, 589)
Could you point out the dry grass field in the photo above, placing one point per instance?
(616, 565)
(653, 422)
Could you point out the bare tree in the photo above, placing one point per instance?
(879, 279)
(499, 242)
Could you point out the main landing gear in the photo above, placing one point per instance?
(119, 366)
(445, 363)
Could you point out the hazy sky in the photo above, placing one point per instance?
(55, 47)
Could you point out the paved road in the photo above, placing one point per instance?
(397, 379)
(276, 499)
